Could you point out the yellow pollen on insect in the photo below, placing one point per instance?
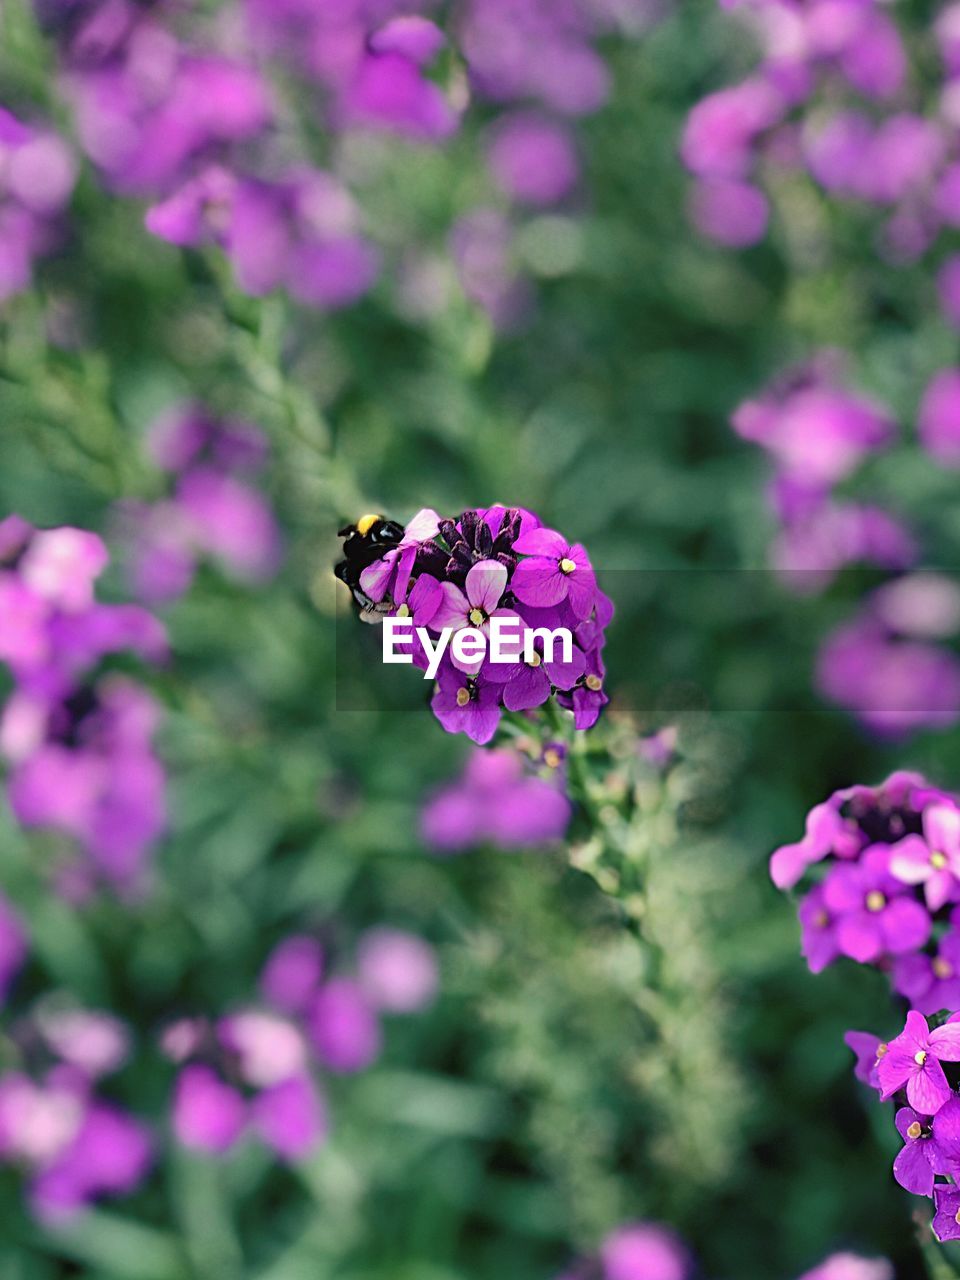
(942, 968)
(594, 683)
(567, 565)
(403, 611)
(875, 900)
(463, 696)
(915, 1130)
(477, 616)
(551, 758)
(366, 523)
(938, 860)
(920, 1057)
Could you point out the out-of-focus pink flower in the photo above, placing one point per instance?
(290, 1117)
(292, 973)
(644, 1251)
(397, 971)
(729, 212)
(533, 159)
(343, 1027)
(939, 417)
(208, 1115)
(496, 800)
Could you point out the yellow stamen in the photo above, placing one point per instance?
(942, 968)
(463, 696)
(920, 1057)
(915, 1130)
(403, 611)
(535, 660)
(957, 1217)
(821, 920)
(566, 565)
(938, 860)
(593, 683)
(477, 616)
(875, 900)
(551, 758)
(881, 1050)
(366, 523)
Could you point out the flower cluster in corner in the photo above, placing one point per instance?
(887, 862)
(255, 1070)
(919, 1070)
(212, 512)
(500, 562)
(889, 152)
(78, 741)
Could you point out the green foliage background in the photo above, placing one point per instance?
(533, 1109)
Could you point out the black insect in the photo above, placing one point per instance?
(365, 542)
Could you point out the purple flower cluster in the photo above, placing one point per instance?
(78, 743)
(499, 562)
(890, 882)
(212, 510)
(886, 664)
(72, 1143)
(208, 136)
(792, 115)
(37, 173)
(254, 1071)
(498, 800)
(918, 1069)
(818, 433)
(196, 132)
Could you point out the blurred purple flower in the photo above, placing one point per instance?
(208, 1115)
(397, 971)
(496, 800)
(533, 159)
(292, 973)
(939, 417)
(343, 1027)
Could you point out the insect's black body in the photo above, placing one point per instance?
(365, 542)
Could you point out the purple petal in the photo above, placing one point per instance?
(945, 1042)
(894, 1068)
(912, 1168)
(452, 610)
(927, 1089)
(541, 542)
(375, 578)
(539, 582)
(581, 591)
(859, 936)
(910, 860)
(946, 1129)
(485, 584)
(529, 688)
(941, 826)
(905, 926)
